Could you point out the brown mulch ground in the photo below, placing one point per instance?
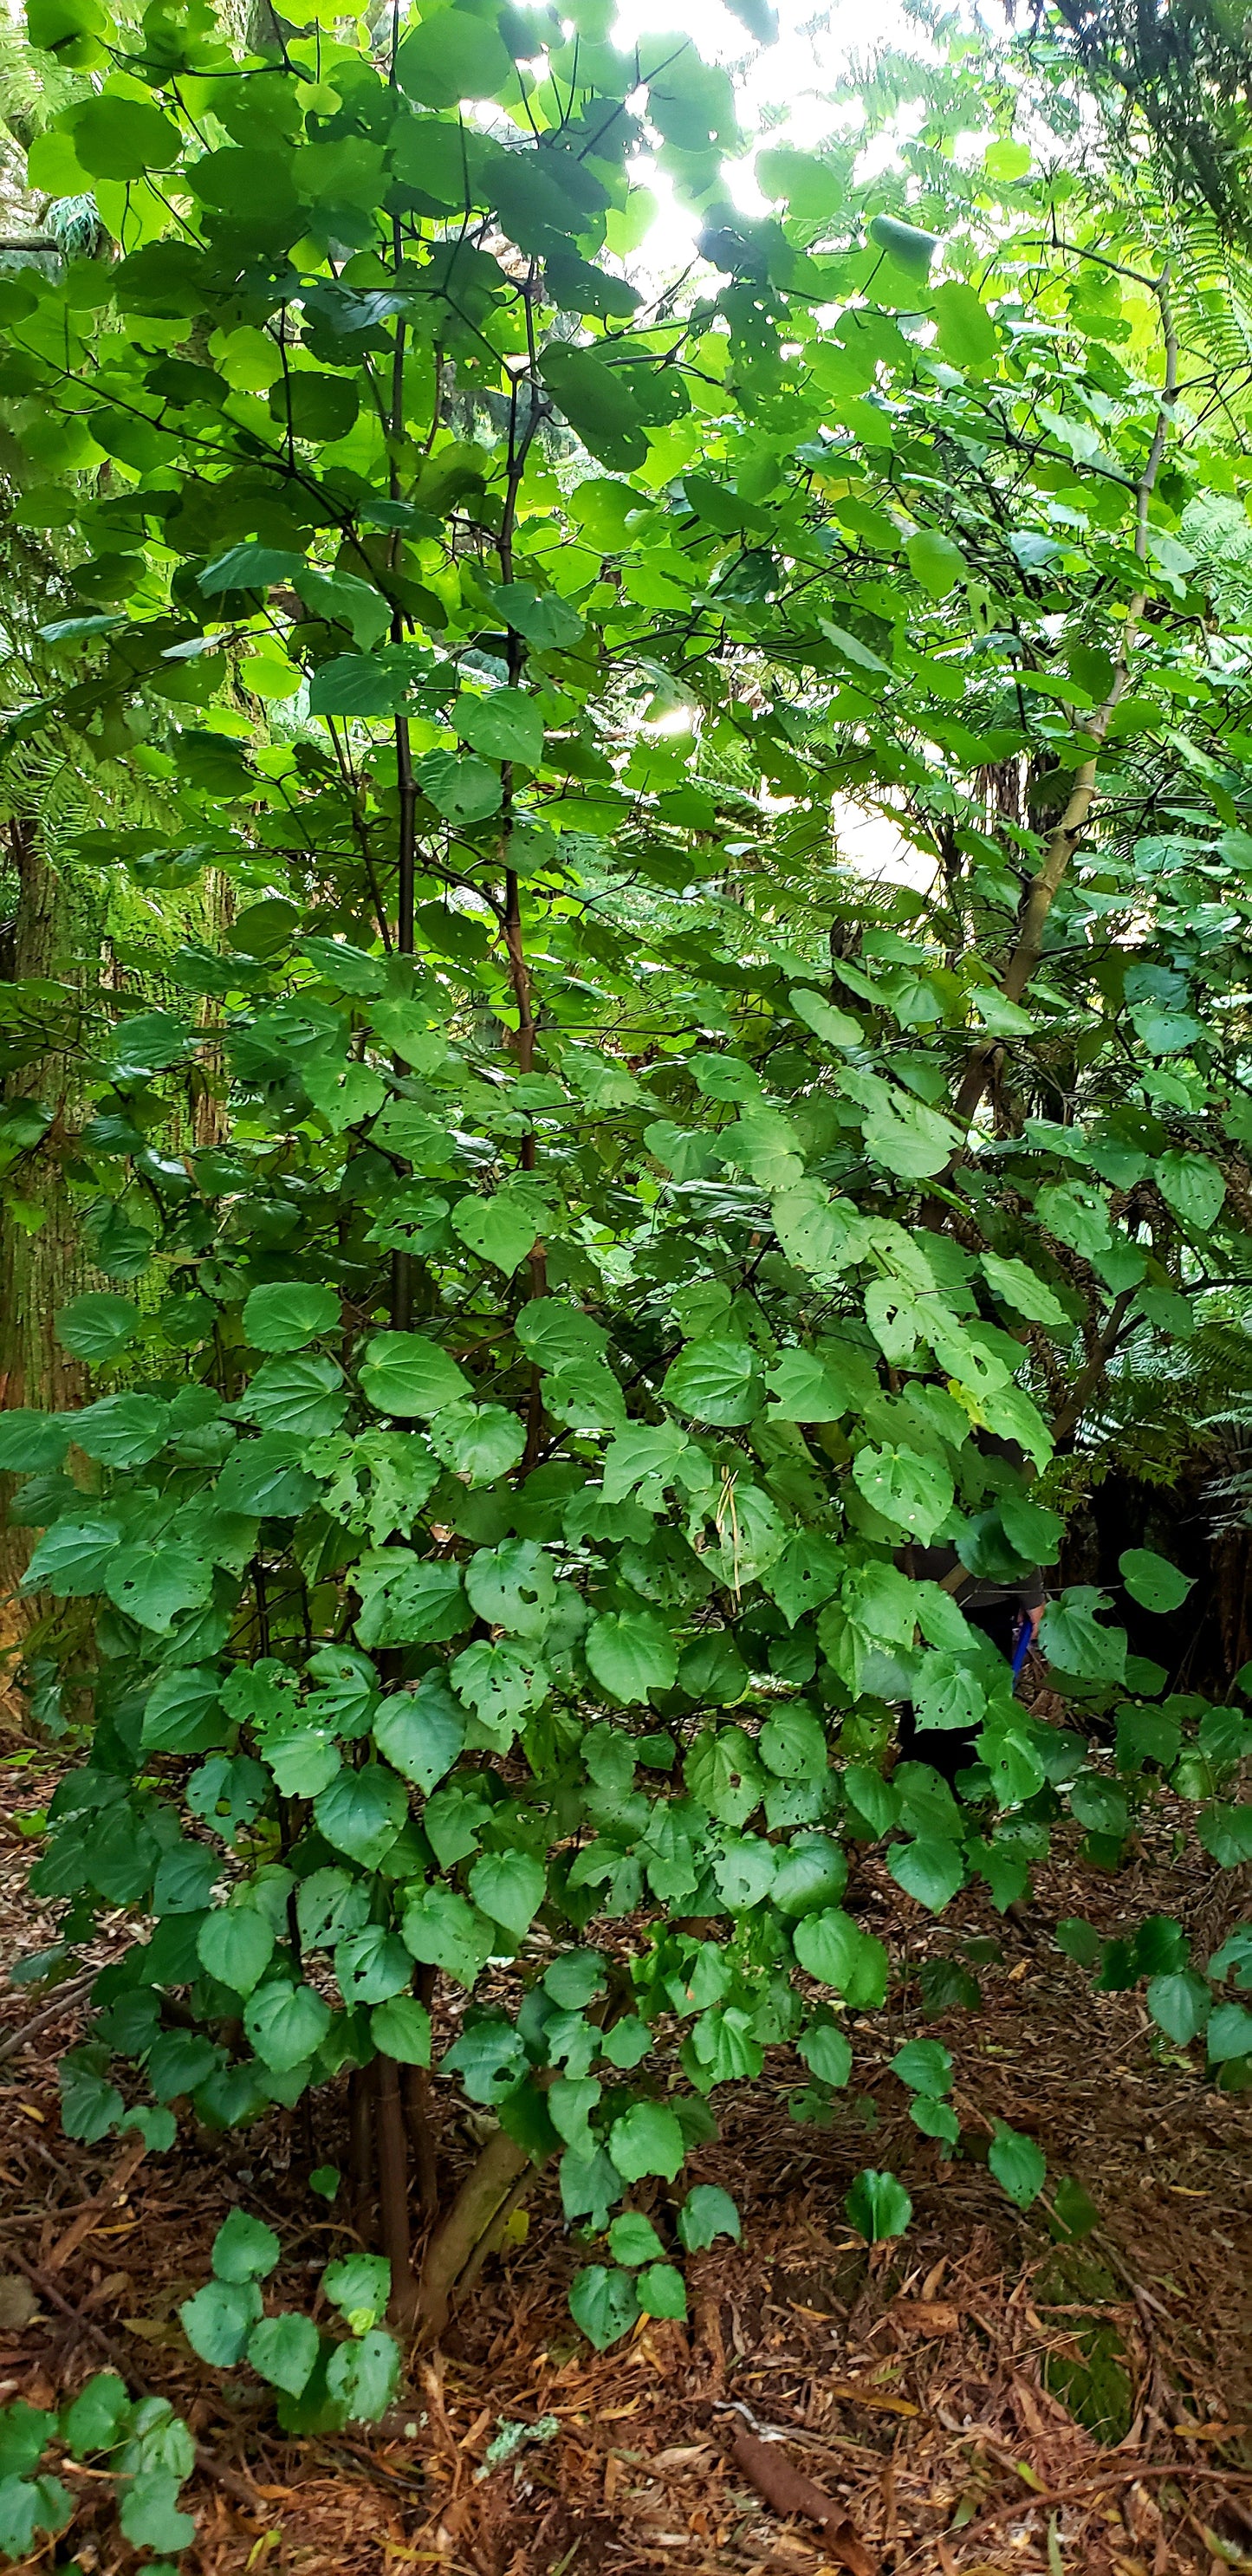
(921, 2388)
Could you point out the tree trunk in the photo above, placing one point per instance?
(210, 1124)
(42, 1263)
(391, 2149)
(455, 2244)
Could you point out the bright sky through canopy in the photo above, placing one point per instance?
(783, 88)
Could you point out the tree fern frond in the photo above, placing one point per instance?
(1167, 1404)
(1211, 285)
(941, 177)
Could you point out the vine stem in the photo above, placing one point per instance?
(416, 2097)
(1090, 1377)
(416, 2093)
(360, 2148)
(514, 934)
(406, 782)
(406, 876)
(379, 2146)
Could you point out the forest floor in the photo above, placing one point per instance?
(974, 2400)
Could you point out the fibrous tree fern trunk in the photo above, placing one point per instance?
(42, 1261)
(210, 1123)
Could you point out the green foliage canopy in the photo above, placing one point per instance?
(626, 1236)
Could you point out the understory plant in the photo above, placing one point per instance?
(626, 1234)
(139, 2445)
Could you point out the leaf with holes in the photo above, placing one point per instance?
(1152, 1581)
(604, 2303)
(501, 1229)
(363, 2375)
(802, 1388)
(512, 1586)
(912, 1491)
(1193, 1187)
(421, 1732)
(283, 2349)
(723, 1772)
(805, 1575)
(219, 2319)
(1019, 2166)
(359, 2285)
(285, 2023)
(793, 1744)
(153, 1585)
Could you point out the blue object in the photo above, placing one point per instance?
(1021, 1649)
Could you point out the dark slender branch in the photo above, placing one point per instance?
(71, 1992)
(1088, 1378)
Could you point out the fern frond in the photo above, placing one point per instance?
(942, 178)
(1167, 1405)
(1211, 285)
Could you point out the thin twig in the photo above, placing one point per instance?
(1045, 2500)
(69, 1993)
(93, 2211)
